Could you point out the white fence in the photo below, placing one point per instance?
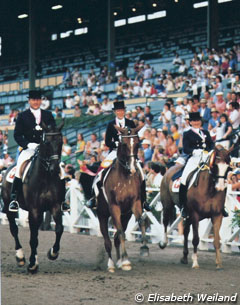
(82, 219)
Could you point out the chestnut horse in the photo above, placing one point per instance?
(120, 197)
(204, 200)
(42, 191)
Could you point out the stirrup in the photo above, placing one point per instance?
(91, 203)
(184, 213)
(13, 206)
(146, 206)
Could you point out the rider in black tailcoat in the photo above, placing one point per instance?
(28, 133)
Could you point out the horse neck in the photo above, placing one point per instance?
(206, 183)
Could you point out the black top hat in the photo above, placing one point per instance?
(194, 116)
(35, 94)
(118, 105)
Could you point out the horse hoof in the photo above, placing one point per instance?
(184, 261)
(162, 245)
(219, 268)
(51, 255)
(111, 269)
(119, 264)
(33, 269)
(20, 261)
(126, 266)
(195, 267)
(144, 251)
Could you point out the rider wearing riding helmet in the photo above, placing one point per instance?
(195, 141)
(112, 140)
(28, 133)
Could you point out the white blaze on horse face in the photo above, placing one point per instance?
(132, 167)
(222, 167)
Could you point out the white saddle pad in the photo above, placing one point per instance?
(176, 185)
(11, 174)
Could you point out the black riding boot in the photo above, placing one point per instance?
(146, 205)
(65, 207)
(91, 204)
(16, 187)
(183, 200)
(224, 212)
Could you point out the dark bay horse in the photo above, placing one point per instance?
(42, 191)
(120, 197)
(204, 200)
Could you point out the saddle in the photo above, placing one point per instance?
(25, 170)
(192, 179)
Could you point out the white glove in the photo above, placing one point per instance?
(197, 152)
(32, 145)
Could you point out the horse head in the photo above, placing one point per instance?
(219, 164)
(128, 147)
(51, 147)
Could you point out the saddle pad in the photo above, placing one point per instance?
(11, 175)
(176, 185)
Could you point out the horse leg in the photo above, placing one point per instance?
(195, 242)
(186, 231)
(166, 217)
(54, 251)
(124, 221)
(35, 220)
(137, 211)
(217, 221)
(116, 216)
(103, 220)
(20, 258)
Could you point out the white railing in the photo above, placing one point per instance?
(82, 219)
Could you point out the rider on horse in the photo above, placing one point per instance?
(112, 139)
(195, 141)
(28, 133)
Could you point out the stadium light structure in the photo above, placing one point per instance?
(156, 15)
(136, 19)
(120, 22)
(200, 4)
(56, 7)
(22, 16)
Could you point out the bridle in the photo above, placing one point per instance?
(126, 164)
(46, 162)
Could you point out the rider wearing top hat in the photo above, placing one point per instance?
(111, 140)
(195, 141)
(28, 133)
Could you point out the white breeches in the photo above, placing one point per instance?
(25, 155)
(191, 165)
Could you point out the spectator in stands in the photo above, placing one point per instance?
(76, 98)
(84, 99)
(157, 171)
(98, 90)
(80, 148)
(67, 80)
(236, 83)
(171, 147)
(11, 117)
(217, 86)
(179, 112)
(169, 84)
(160, 87)
(148, 115)
(213, 123)
(229, 74)
(183, 69)
(208, 98)
(75, 77)
(106, 106)
(147, 72)
(97, 110)
(91, 107)
(220, 103)
(136, 89)
(166, 116)
(66, 151)
(77, 111)
(104, 152)
(92, 146)
(45, 105)
(176, 62)
(140, 112)
(224, 129)
(146, 145)
(175, 133)
(69, 103)
(119, 90)
(205, 113)
(234, 116)
(7, 160)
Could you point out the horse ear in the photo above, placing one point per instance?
(60, 126)
(122, 130)
(212, 158)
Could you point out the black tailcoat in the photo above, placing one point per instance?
(25, 131)
(112, 135)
